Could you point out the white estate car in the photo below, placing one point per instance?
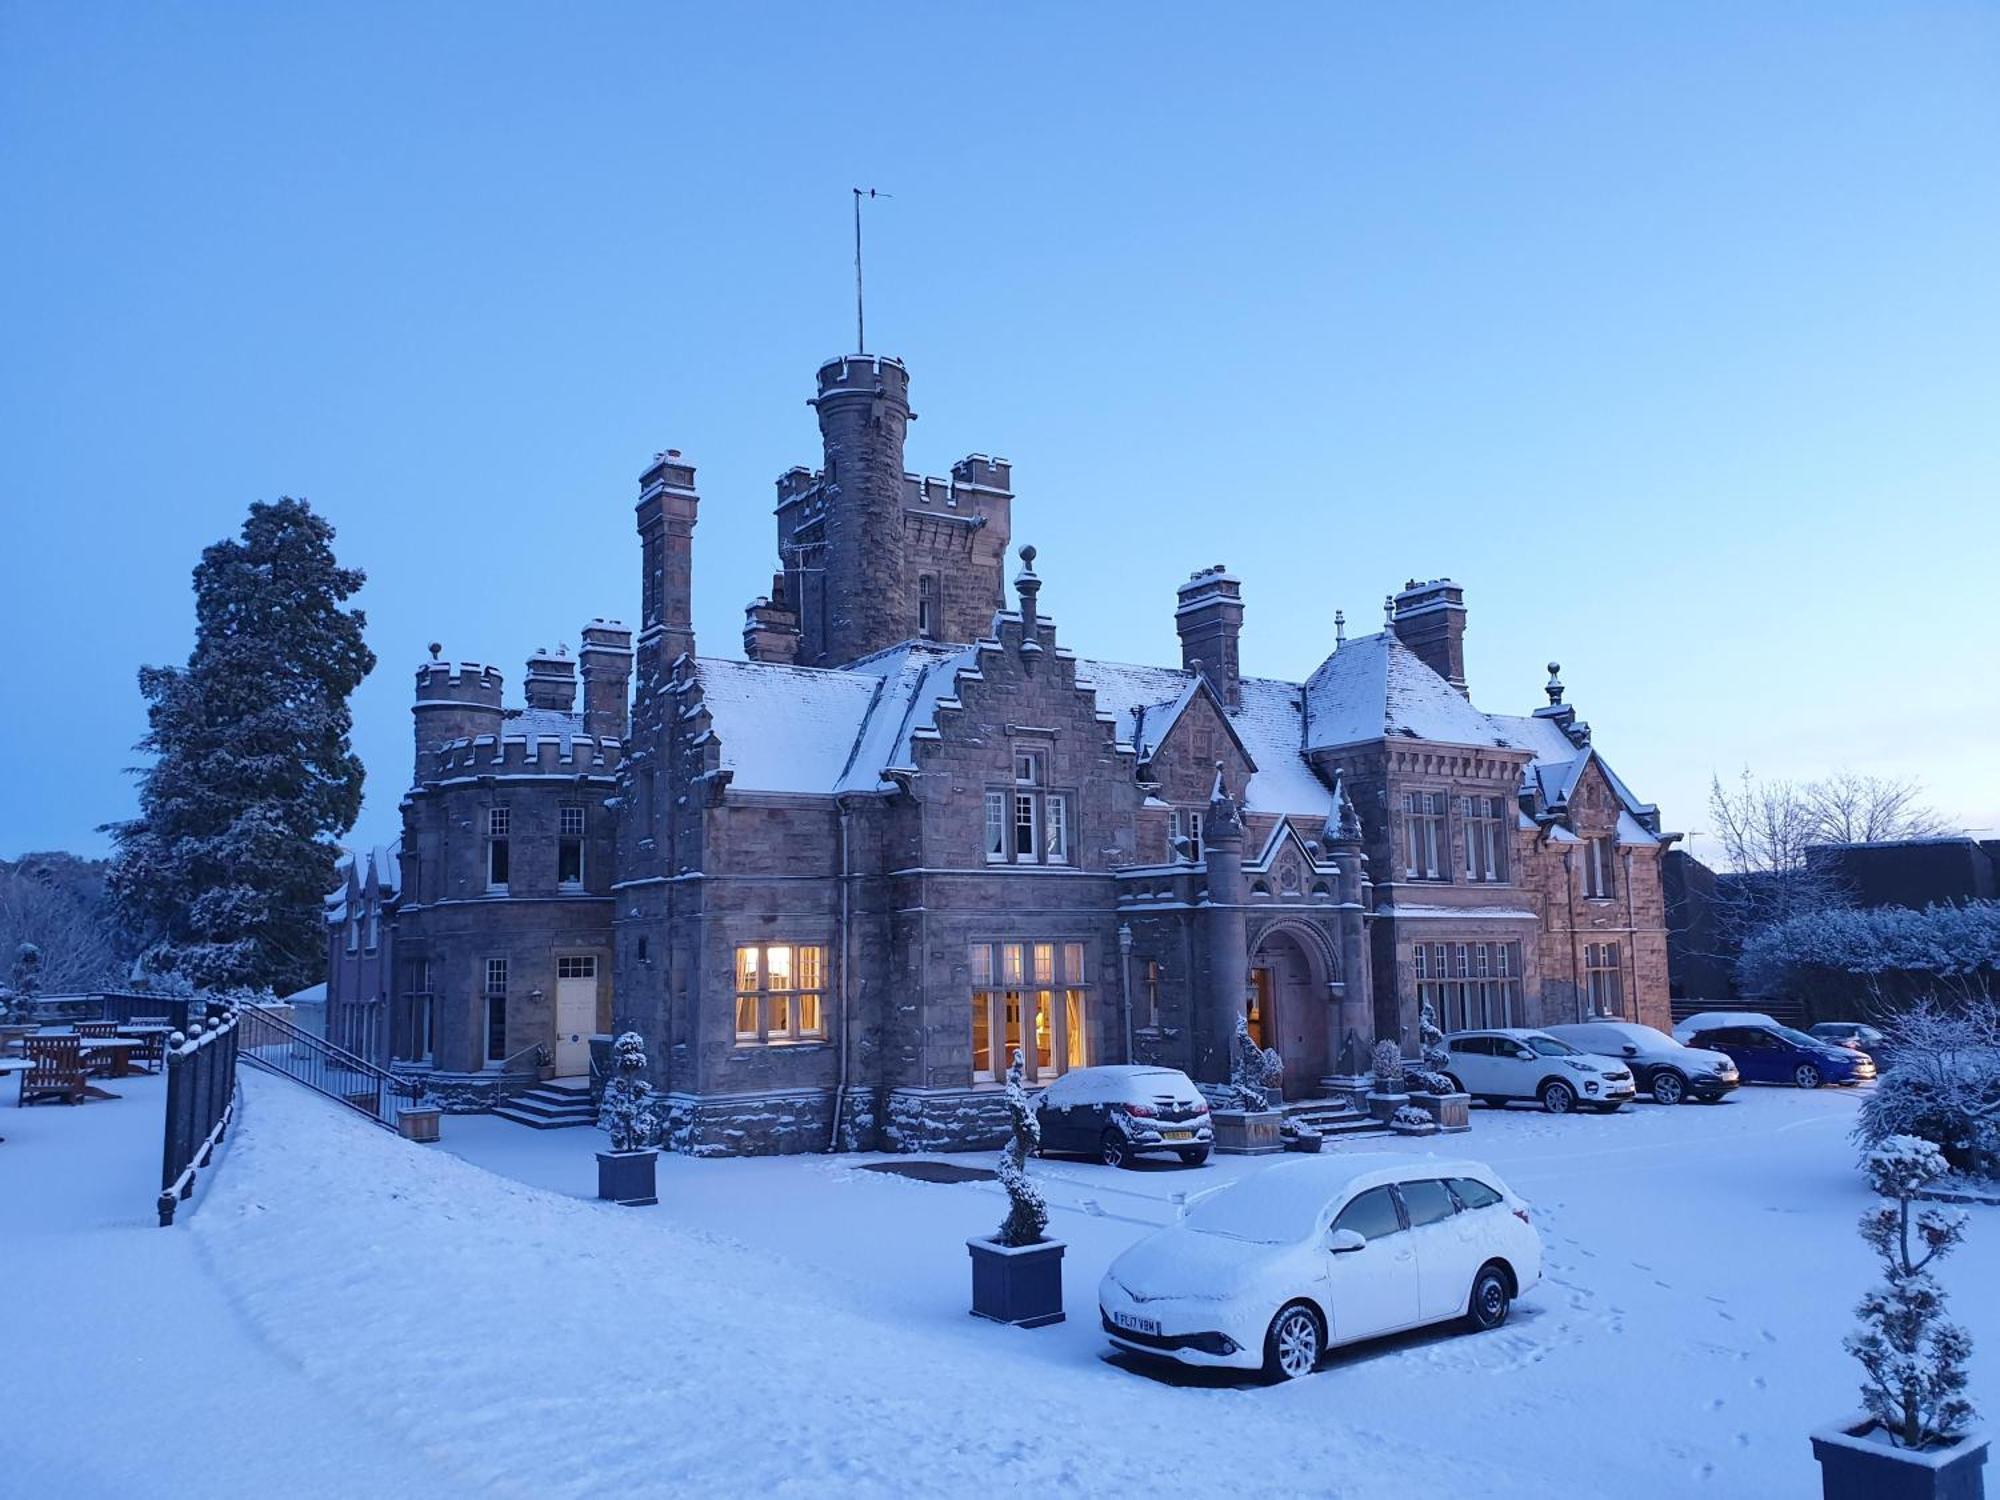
(1272, 1271)
(1496, 1066)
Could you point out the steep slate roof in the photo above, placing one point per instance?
(829, 730)
(386, 860)
(1375, 687)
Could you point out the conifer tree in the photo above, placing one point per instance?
(252, 778)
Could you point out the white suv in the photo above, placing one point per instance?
(1495, 1066)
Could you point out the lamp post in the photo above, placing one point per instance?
(1125, 981)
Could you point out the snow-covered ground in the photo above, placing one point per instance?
(367, 1315)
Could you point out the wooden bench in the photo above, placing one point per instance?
(56, 1071)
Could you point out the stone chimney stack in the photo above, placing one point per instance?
(1209, 618)
(1429, 618)
(607, 679)
(667, 510)
(551, 681)
(771, 627)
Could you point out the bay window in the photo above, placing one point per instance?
(1028, 995)
(780, 993)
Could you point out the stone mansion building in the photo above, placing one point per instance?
(837, 884)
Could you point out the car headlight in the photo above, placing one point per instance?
(1578, 1064)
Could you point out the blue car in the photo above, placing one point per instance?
(1766, 1052)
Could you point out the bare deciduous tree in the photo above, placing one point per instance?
(1851, 808)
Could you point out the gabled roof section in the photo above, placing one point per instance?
(1286, 832)
(1374, 687)
(785, 729)
(1559, 763)
(1143, 702)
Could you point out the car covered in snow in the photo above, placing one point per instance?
(1766, 1051)
(1660, 1065)
(1115, 1112)
(1856, 1036)
(1272, 1271)
(1515, 1063)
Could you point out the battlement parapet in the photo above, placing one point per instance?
(863, 375)
(468, 683)
(528, 755)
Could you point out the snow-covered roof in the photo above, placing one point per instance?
(785, 729)
(1374, 687)
(386, 860)
(1145, 702)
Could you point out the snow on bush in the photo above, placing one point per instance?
(1915, 1359)
(627, 1113)
(1887, 955)
(1409, 1120)
(1943, 1085)
(1027, 1215)
(1388, 1058)
(1254, 1071)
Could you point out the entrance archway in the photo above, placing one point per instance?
(1287, 1008)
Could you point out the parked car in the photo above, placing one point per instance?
(1856, 1036)
(1496, 1066)
(1766, 1052)
(1275, 1269)
(1115, 1112)
(1660, 1065)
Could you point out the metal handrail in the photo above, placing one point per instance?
(278, 1046)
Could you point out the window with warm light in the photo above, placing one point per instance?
(780, 993)
(1032, 996)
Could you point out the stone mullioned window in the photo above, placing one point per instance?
(780, 993)
(1031, 996)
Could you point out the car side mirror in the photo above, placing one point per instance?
(1343, 1240)
(1631, 1050)
(1524, 1054)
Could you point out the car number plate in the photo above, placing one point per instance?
(1177, 1135)
(1136, 1323)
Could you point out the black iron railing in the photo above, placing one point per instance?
(201, 1098)
(372, 1091)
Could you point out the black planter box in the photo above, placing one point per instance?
(1853, 1465)
(627, 1176)
(1018, 1284)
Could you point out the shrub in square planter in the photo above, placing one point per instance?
(627, 1172)
(1017, 1273)
(1915, 1439)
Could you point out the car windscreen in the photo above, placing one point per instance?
(1548, 1046)
(1272, 1208)
(1799, 1038)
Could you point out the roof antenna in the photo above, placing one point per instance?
(860, 326)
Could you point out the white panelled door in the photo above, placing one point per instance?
(576, 1014)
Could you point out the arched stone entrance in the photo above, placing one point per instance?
(1287, 1006)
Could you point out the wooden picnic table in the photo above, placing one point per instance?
(120, 1048)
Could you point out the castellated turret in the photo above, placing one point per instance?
(873, 554)
(454, 702)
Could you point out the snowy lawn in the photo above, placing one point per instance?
(795, 1326)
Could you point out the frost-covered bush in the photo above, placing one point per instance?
(1853, 959)
(1388, 1059)
(1915, 1360)
(627, 1113)
(1290, 1129)
(1254, 1072)
(1027, 1215)
(1409, 1120)
(1943, 1085)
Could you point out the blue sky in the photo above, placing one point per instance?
(1668, 330)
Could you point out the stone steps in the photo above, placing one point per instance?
(1334, 1118)
(560, 1104)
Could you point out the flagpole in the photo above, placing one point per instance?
(860, 327)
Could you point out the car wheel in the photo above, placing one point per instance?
(1293, 1346)
(1492, 1299)
(1557, 1097)
(1806, 1076)
(1668, 1087)
(1113, 1151)
(1195, 1157)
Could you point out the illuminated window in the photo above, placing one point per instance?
(780, 993)
(1030, 996)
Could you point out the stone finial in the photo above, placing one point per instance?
(1339, 628)
(437, 650)
(1388, 609)
(1027, 586)
(1555, 687)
